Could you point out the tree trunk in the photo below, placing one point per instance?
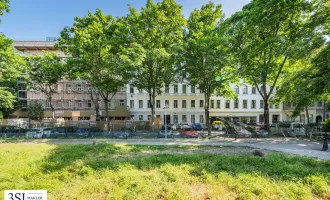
(152, 106)
(307, 115)
(107, 114)
(266, 114)
(207, 112)
(96, 105)
(52, 107)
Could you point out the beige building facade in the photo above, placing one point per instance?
(72, 100)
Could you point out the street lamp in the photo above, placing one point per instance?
(165, 108)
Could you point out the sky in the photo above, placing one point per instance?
(38, 19)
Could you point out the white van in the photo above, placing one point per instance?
(297, 129)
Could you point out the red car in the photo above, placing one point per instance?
(188, 132)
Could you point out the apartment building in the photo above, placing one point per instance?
(72, 100)
(186, 104)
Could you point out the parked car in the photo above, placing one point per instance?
(47, 132)
(255, 124)
(82, 132)
(37, 132)
(122, 133)
(12, 131)
(58, 132)
(172, 126)
(95, 132)
(197, 126)
(163, 134)
(188, 132)
(177, 126)
(184, 125)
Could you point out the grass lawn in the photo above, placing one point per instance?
(108, 171)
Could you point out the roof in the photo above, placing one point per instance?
(34, 45)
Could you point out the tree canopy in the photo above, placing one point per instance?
(267, 37)
(206, 54)
(44, 72)
(157, 30)
(99, 49)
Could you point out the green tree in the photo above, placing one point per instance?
(4, 7)
(206, 55)
(99, 48)
(11, 67)
(302, 85)
(266, 38)
(44, 72)
(157, 30)
(35, 111)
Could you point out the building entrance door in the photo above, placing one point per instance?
(167, 118)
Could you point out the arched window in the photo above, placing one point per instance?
(236, 89)
(245, 89)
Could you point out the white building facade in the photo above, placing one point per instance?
(186, 104)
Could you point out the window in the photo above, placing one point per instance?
(167, 103)
(184, 118)
(193, 89)
(261, 104)
(121, 102)
(236, 89)
(184, 103)
(68, 87)
(175, 88)
(149, 117)
(131, 90)
(218, 103)
(167, 89)
(157, 103)
(59, 104)
(236, 104)
(294, 104)
(277, 106)
(319, 104)
(59, 87)
(140, 91)
(140, 117)
(244, 103)
(201, 118)
(192, 103)
(253, 104)
(270, 106)
(175, 104)
(149, 105)
(131, 103)
(175, 118)
(245, 89)
(89, 88)
(68, 104)
(79, 88)
(212, 103)
(192, 119)
(47, 104)
(140, 103)
(184, 89)
(227, 103)
(89, 103)
(254, 90)
(79, 104)
(201, 103)
(109, 104)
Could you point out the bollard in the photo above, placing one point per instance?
(325, 143)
